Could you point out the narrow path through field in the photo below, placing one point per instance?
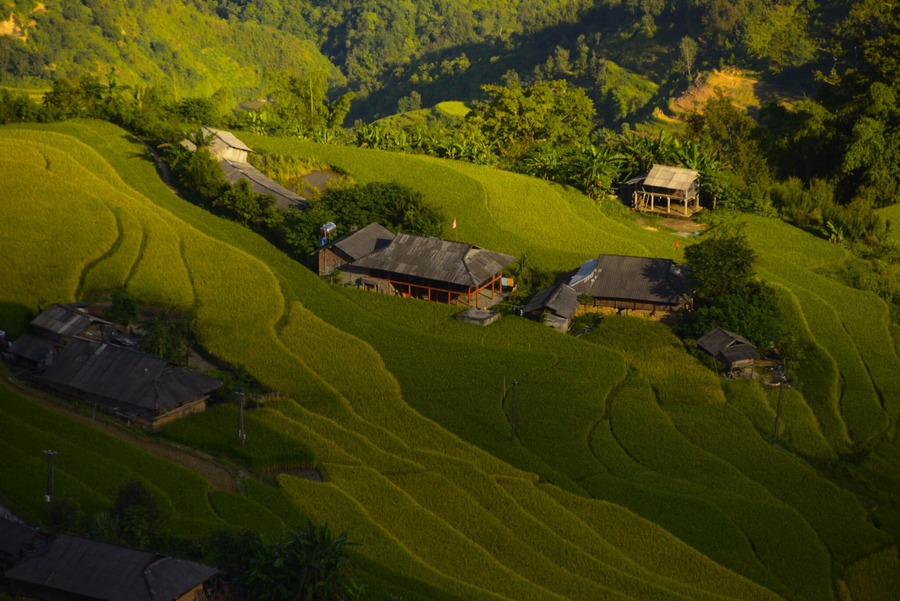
(215, 473)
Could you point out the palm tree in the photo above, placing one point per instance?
(310, 564)
(200, 139)
(594, 169)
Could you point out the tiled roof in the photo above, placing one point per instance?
(640, 279)
(98, 570)
(127, 376)
(365, 241)
(437, 260)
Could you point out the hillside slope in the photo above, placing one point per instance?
(406, 410)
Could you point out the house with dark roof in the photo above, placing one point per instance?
(53, 329)
(134, 385)
(351, 247)
(72, 568)
(633, 283)
(65, 321)
(733, 350)
(555, 306)
(663, 187)
(17, 541)
(431, 269)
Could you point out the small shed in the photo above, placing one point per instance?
(555, 306)
(73, 568)
(665, 185)
(351, 247)
(634, 283)
(735, 351)
(436, 270)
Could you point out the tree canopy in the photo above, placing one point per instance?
(722, 264)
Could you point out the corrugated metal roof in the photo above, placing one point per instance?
(584, 276)
(225, 138)
(673, 178)
(103, 571)
(126, 376)
(365, 241)
(259, 183)
(437, 260)
(640, 279)
(65, 320)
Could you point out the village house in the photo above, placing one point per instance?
(72, 568)
(664, 190)
(644, 284)
(351, 247)
(147, 390)
(233, 159)
(431, 269)
(555, 306)
(613, 283)
(84, 358)
(732, 350)
(52, 329)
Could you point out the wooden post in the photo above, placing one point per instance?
(512, 420)
(780, 393)
(49, 496)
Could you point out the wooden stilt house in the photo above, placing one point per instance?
(432, 269)
(667, 190)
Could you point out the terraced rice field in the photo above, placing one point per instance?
(635, 474)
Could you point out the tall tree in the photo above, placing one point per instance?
(517, 117)
(309, 565)
(722, 264)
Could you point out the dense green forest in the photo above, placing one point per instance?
(557, 88)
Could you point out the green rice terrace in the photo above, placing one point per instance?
(636, 474)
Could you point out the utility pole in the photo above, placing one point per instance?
(512, 420)
(49, 496)
(782, 381)
(242, 435)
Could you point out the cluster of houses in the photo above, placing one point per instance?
(71, 568)
(79, 356)
(458, 273)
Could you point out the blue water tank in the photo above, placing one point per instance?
(328, 230)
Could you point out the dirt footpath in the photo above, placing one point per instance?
(204, 466)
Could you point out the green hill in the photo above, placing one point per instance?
(174, 45)
(636, 474)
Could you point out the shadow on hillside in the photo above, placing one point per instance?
(14, 318)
